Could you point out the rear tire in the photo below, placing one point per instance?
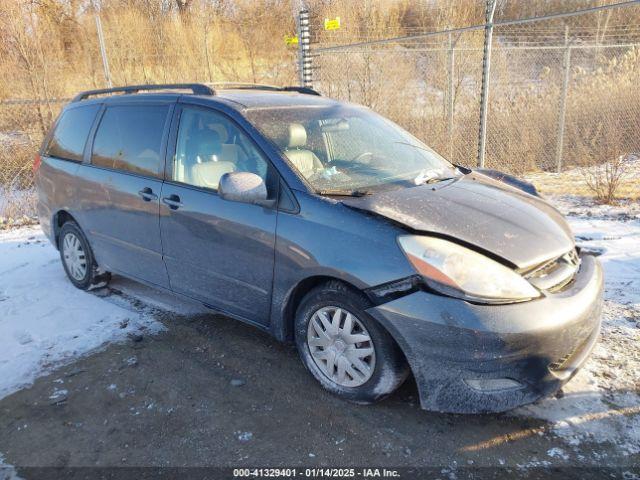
(78, 260)
(344, 348)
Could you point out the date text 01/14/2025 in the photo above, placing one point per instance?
(316, 472)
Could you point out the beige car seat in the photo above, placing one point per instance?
(304, 160)
(208, 174)
(229, 152)
(208, 167)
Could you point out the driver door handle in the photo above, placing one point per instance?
(147, 194)
(173, 201)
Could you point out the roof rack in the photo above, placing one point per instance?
(196, 89)
(244, 86)
(261, 86)
(305, 90)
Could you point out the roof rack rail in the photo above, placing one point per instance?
(244, 86)
(196, 89)
(306, 90)
(262, 86)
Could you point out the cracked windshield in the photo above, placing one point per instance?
(350, 151)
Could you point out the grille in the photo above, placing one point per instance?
(558, 364)
(556, 274)
(562, 362)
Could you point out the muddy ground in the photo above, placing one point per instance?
(211, 391)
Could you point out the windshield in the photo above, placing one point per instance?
(347, 150)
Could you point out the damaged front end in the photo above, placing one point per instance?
(502, 310)
(478, 358)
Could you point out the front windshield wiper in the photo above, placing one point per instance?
(414, 146)
(436, 180)
(344, 193)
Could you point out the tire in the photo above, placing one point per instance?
(388, 368)
(78, 260)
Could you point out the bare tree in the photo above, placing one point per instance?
(183, 6)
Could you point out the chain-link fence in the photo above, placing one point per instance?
(44, 56)
(562, 89)
(23, 124)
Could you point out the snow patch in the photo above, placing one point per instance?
(244, 436)
(557, 453)
(45, 321)
(58, 394)
(601, 403)
(7, 472)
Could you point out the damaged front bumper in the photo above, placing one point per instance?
(469, 358)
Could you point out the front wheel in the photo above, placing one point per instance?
(344, 348)
(77, 259)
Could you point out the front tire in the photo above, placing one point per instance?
(78, 260)
(344, 348)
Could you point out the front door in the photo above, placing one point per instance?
(120, 190)
(217, 251)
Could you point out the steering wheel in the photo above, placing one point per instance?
(362, 156)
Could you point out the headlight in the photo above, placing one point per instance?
(457, 271)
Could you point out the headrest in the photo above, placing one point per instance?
(207, 143)
(297, 135)
(221, 130)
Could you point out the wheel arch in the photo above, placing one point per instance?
(59, 219)
(296, 295)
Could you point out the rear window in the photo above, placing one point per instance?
(129, 138)
(70, 135)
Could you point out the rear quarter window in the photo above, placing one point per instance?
(71, 132)
(129, 138)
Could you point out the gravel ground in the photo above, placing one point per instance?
(173, 385)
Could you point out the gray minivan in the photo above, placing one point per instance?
(326, 224)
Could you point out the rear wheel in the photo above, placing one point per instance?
(344, 348)
(77, 259)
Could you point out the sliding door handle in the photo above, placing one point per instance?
(173, 201)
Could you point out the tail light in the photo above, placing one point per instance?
(37, 160)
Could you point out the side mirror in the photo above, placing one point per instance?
(244, 187)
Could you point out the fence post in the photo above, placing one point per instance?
(103, 52)
(450, 94)
(566, 67)
(486, 68)
(304, 57)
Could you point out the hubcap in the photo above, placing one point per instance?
(74, 256)
(341, 346)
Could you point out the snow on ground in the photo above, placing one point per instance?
(602, 403)
(7, 472)
(44, 320)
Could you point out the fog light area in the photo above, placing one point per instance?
(493, 384)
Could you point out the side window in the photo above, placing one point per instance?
(70, 135)
(129, 138)
(210, 145)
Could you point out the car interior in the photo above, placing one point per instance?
(208, 147)
(297, 152)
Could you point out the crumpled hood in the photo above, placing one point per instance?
(520, 228)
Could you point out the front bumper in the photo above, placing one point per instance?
(540, 344)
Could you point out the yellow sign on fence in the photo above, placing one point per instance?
(332, 23)
(291, 39)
